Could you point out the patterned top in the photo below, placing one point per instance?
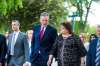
(69, 50)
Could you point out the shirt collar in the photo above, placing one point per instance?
(16, 32)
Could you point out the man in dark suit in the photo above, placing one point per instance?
(43, 38)
(93, 56)
(3, 50)
(18, 50)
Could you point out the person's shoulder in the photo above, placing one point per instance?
(75, 36)
(59, 37)
(52, 28)
(10, 34)
(22, 33)
(36, 26)
(94, 40)
(2, 36)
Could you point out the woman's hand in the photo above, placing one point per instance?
(0, 64)
(50, 60)
(49, 63)
(82, 61)
(6, 64)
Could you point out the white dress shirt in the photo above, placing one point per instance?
(29, 42)
(43, 26)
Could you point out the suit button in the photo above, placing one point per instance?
(39, 52)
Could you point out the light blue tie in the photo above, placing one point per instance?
(12, 44)
(97, 61)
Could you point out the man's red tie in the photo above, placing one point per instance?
(41, 33)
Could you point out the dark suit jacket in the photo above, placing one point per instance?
(21, 49)
(3, 48)
(73, 49)
(40, 50)
(91, 56)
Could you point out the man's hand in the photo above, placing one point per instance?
(50, 60)
(5, 64)
(82, 61)
(0, 64)
(26, 64)
(82, 64)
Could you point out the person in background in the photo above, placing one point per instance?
(29, 38)
(92, 37)
(3, 50)
(93, 55)
(43, 39)
(7, 35)
(69, 47)
(18, 50)
(83, 39)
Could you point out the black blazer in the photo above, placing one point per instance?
(45, 45)
(70, 50)
(3, 48)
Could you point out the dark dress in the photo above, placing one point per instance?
(69, 50)
(3, 49)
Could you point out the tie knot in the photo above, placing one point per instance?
(14, 34)
(42, 28)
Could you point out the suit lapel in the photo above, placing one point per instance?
(10, 40)
(39, 29)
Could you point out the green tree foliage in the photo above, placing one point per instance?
(9, 5)
(28, 12)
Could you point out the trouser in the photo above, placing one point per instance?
(13, 62)
(37, 64)
(40, 61)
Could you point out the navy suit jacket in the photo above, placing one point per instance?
(40, 50)
(91, 56)
(3, 48)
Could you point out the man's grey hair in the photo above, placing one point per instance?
(44, 14)
(17, 21)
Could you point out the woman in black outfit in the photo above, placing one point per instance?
(68, 47)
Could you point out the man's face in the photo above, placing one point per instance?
(30, 33)
(98, 30)
(15, 26)
(44, 20)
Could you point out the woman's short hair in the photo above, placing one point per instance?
(68, 26)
